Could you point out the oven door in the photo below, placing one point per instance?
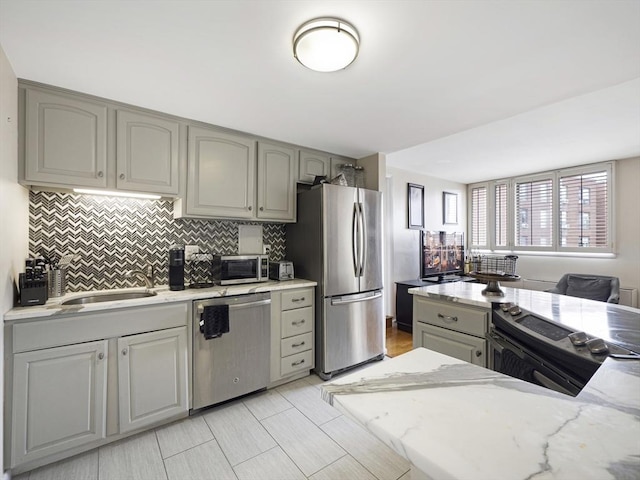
(507, 356)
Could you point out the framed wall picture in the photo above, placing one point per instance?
(449, 208)
(415, 197)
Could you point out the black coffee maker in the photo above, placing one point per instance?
(176, 268)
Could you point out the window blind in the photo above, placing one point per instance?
(479, 216)
(501, 215)
(585, 210)
(533, 211)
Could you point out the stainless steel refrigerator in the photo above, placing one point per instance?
(337, 241)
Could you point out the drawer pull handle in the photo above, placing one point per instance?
(301, 299)
(299, 362)
(297, 322)
(447, 318)
(296, 345)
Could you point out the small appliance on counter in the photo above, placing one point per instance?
(176, 267)
(238, 269)
(282, 270)
(33, 283)
(200, 270)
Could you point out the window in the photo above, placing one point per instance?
(501, 217)
(564, 210)
(533, 203)
(478, 216)
(587, 208)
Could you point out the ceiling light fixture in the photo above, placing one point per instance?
(326, 44)
(116, 194)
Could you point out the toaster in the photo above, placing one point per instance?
(281, 270)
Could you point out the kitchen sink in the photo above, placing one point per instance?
(108, 297)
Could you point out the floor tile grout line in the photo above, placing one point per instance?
(164, 466)
(220, 446)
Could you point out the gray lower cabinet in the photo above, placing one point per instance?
(147, 153)
(59, 399)
(454, 330)
(292, 334)
(65, 140)
(152, 380)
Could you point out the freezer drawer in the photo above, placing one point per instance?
(352, 331)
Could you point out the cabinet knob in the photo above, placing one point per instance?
(250, 208)
(124, 351)
(100, 356)
(122, 176)
(100, 174)
(478, 353)
(262, 209)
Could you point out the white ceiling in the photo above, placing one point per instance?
(462, 90)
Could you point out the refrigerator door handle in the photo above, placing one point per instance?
(363, 238)
(354, 241)
(342, 301)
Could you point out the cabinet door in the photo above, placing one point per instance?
(312, 164)
(147, 153)
(221, 174)
(276, 182)
(152, 377)
(458, 345)
(65, 141)
(59, 399)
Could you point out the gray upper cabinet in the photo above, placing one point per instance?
(312, 164)
(147, 153)
(276, 182)
(65, 140)
(221, 175)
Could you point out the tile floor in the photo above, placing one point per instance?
(284, 433)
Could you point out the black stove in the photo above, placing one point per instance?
(559, 355)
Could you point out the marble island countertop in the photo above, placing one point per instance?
(54, 306)
(455, 420)
(605, 320)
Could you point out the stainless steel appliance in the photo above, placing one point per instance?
(282, 270)
(234, 360)
(532, 348)
(176, 268)
(234, 269)
(337, 242)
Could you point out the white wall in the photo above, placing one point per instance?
(405, 261)
(626, 264)
(14, 202)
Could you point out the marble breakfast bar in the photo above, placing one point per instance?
(455, 420)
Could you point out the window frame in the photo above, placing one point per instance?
(558, 201)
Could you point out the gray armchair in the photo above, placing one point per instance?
(592, 287)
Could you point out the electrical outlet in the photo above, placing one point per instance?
(266, 249)
(189, 250)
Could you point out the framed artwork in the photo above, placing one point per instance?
(415, 198)
(449, 208)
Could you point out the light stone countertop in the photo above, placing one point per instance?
(53, 307)
(455, 420)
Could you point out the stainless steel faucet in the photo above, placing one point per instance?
(148, 277)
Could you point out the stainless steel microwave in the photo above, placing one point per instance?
(235, 269)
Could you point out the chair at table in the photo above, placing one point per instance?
(592, 287)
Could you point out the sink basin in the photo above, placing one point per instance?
(107, 297)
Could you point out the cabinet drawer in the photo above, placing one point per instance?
(296, 322)
(297, 298)
(295, 363)
(452, 317)
(296, 344)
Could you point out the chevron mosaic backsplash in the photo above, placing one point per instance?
(113, 235)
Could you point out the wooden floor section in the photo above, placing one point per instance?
(398, 342)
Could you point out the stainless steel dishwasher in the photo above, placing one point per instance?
(237, 361)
